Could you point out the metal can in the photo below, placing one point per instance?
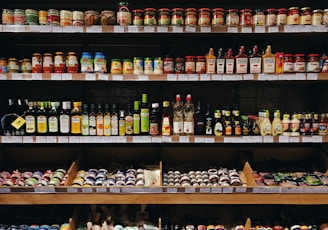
(217, 17)
(164, 17)
(53, 17)
(36, 63)
(7, 17)
(26, 65)
(100, 63)
(317, 17)
(19, 17)
(288, 63)
(72, 65)
(200, 64)
(86, 62)
(43, 17)
(306, 16)
(31, 17)
(78, 15)
(259, 18)
(13, 66)
(293, 17)
(191, 17)
(158, 65)
(177, 18)
(168, 65)
(59, 62)
(271, 17)
(148, 65)
(312, 64)
(325, 17)
(232, 17)
(246, 17)
(281, 16)
(138, 65)
(204, 17)
(66, 18)
(3, 65)
(137, 17)
(48, 64)
(150, 17)
(127, 66)
(123, 14)
(190, 65)
(299, 63)
(116, 66)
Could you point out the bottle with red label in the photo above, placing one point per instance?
(241, 61)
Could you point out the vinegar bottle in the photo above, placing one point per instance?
(268, 61)
(178, 116)
(210, 61)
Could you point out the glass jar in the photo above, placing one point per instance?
(72, 65)
(59, 62)
(123, 15)
(148, 65)
(325, 17)
(191, 17)
(138, 65)
(138, 17)
(13, 66)
(3, 65)
(100, 63)
(246, 17)
(168, 65)
(53, 17)
(107, 17)
(217, 17)
(26, 65)
(43, 17)
(271, 17)
(116, 66)
(281, 16)
(232, 17)
(31, 17)
(86, 62)
(190, 65)
(164, 17)
(36, 63)
(200, 64)
(204, 17)
(179, 65)
(317, 16)
(306, 16)
(66, 18)
(299, 63)
(19, 17)
(7, 17)
(177, 18)
(48, 64)
(312, 64)
(158, 65)
(288, 63)
(91, 17)
(259, 18)
(293, 17)
(150, 17)
(127, 66)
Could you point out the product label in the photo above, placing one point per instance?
(53, 124)
(42, 124)
(30, 124)
(107, 128)
(136, 124)
(100, 125)
(322, 128)
(208, 127)
(241, 65)
(299, 66)
(188, 127)
(267, 128)
(121, 125)
(18, 122)
(166, 127)
(177, 127)
(129, 125)
(76, 124)
(144, 118)
(268, 65)
(86, 65)
(153, 129)
(64, 123)
(255, 64)
(312, 67)
(114, 124)
(277, 128)
(230, 65)
(288, 67)
(210, 66)
(220, 62)
(92, 125)
(85, 125)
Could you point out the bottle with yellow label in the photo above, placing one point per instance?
(121, 123)
(41, 120)
(210, 61)
(76, 118)
(30, 120)
(268, 61)
(128, 121)
(107, 121)
(100, 122)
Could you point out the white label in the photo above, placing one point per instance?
(87, 190)
(190, 190)
(294, 139)
(216, 190)
(232, 29)
(95, 29)
(246, 29)
(149, 29)
(55, 76)
(177, 127)
(240, 189)
(257, 139)
(72, 190)
(205, 29)
(241, 65)
(4, 190)
(267, 139)
(162, 29)
(269, 65)
(8, 28)
(227, 189)
(17, 76)
(90, 77)
(177, 29)
(183, 77)
(3, 77)
(36, 76)
(67, 76)
(259, 29)
(68, 29)
(193, 77)
(300, 76)
(133, 29)
(216, 77)
(205, 190)
(156, 140)
(247, 139)
(40, 139)
(283, 139)
(312, 76)
(317, 139)
(74, 139)
(220, 62)
(51, 139)
(101, 190)
(44, 189)
(184, 139)
(172, 77)
(19, 28)
(209, 140)
(188, 127)
(205, 77)
(57, 29)
(273, 29)
(248, 77)
(143, 78)
(190, 29)
(199, 139)
(117, 77)
(141, 139)
(255, 64)
(44, 29)
(171, 190)
(103, 77)
(230, 65)
(62, 139)
(166, 139)
(27, 139)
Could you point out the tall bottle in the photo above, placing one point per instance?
(154, 120)
(199, 120)
(53, 123)
(76, 118)
(228, 131)
(236, 122)
(85, 120)
(230, 62)
(8, 118)
(178, 116)
(166, 119)
(315, 124)
(136, 118)
(268, 61)
(64, 118)
(121, 123)
(220, 62)
(210, 61)
(92, 121)
(128, 121)
(208, 120)
(114, 120)
(41, 120)
(266, 126)
(276, 124)
(241, 61)
(107, 121)
(30, 128)
(188, 112)
(218, 125)
(295, 125)
(323, 124)
(285, 124)
(255, 61)
(144, 115)
(19, 123)
(100, 122)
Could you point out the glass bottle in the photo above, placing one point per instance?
(199, 120)
(266, 125)
(107, 121)
(245, 128)
(220, 61)
(85, 120)
(121, 123)
(76, 118)
(315, 124)
(53, 120)
(30, 120)
(228, 131)
(178, 116)
(92, 121)
(41, 120)
(295, 125)
(218, 126)
(136, 118)
(285, 124)
(302, 118)
(154, 119)
(188, 112)
(322, 124)
(241, 61)
(255, 61)
(210, 61)
(114, 120)
(276, 124)
(128, 121)
(64, 118)
(208, 120)
(230, 62)
(308, 123)
(166, 119)
(236, 124)
(268, 61)
(100, 122)
(144, 115)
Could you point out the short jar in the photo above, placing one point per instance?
(306, 16)
(191, 17)
(317, 16)
(200, 64)
(232, 17)
(59, 62)
(271, 17)
(281, 17)
(137, 17)
(246, 17)
(150, 17)
(177, 17)
(259, 18)
(127, 66)
(116, 66)
(217, 17)
(138, 65)
(288, 63)
(168, 65)
(204, 17)
(299, 63)
(164, 17)
(312, 64)
(293, 16)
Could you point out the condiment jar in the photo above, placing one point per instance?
(7, 17)
(259, 18)
(217, 17)
(232, 17)
(288, 63)
(91, 17)
(177, 18)
(43, 17)
(281, 16)
(150, 17)
(200, 64)
(246, 17)
(164, 18)
(138, 65)
(31, 17)
(123, 14)
(48, 64)
(293, 17)
(191, 17)
(306, 16)
(127, 66)
(116, 66)
(26, 65)
(158, 65)
(107, 17)
(204, 17)
(168, 65)
(100, 63)
(3, 65)
(19, 17)
(13, 66)
(325, 17)
(299, 63)
(78, 18)
(190, 65)
(36, 63)
(317, 17)
(86, 62)
(148, 65)
(312, 64)
(53, 17)
(59, 62)
(66, 18)
(271, 17)
(72, 65)
(137, 17)
(179, 65)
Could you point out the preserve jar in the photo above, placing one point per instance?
(204, 17)
(312, 64)
(246, 17)
(191, 17)
(137, 17)
(150, 17)
(293, 16)
(107, 17)
(259, 18)
(36, 63)
(72, 65)
(179, 65)
(177, 18)
(158, 65)
(232, 17)
(7, 17)
(86, 62)
(123, 14)
(13, 66)
(59, 62)
(217, 17)
(168, 65)
(164, 17)
(190, 65)
(53, 17)
(288, 63)
(325, 17)
(127, 66)
(43, 17)
(48, 64)
(116, 66)
(306, 16)
(66, 18)
(91, 17)
(100, 63)
(138, 65)
(281, 16)
(19, 17)
(317, 16)
(26, 65)
(299, 63)
(271, 17)
(200, 64)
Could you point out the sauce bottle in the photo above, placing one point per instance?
(178, 116)
(199, 120)
(218, 126)
(53, 119)
(76, 118)
(245, 130)
(121, 123)
(285, 124)
(136, 118)
(276, 124)
(210, 61)
(107, 121)
(295, 125)
(100, 122)
(144, 115)
(208, 120)
(265, 128)
(30, 128)
(92, 121)
(302, 118)
(154, 120)
(166, 119)
(268, 61)
(241, 61)
(230, 62)
(41, 120)
(236, 124)
(64, 118)
(128, 121)
(85, 120)
(228, 123)
(315, 124)
(188, 112)
(220, 61)
(323, 124)
(114, 120)
(255, 61)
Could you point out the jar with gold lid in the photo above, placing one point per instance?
(191, 17)
(204, 17)
(293, 16)
(217, 17)
(306, 16)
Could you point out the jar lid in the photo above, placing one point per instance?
(99, 53)
(317, 11)
(71, 53)
(288, 55)
(293, 8)
(47, 54)
(232, 10)
(246, 10)
(139, 58)
(218, 9)
(60, 53)
(189, 57)
(150, 9)
(305, 8)
(260, 10)
(282, 10)
(299, 55)
(157, 58)
(177, 9)
(115, 59)
(127, 60)
(204, 9)
(313, 55)
(271, 9)
(163, 9)
(191, 9)
(123, 3)
(200, 57)
(148, 58)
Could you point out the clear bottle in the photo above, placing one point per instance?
(30, 120)
(92, 121)
(121, 123)
(241, 61)
(154, 120)
(178, 116)
(42, 120)
(255, 61)
(100, 122)
(268, 61)
(285, 124)
(114, 120)
(53, 123)
(208, 120)
(210, 61)
(166, 119)
(188, 112)
(230, 62)
(266, 125)
(107, 121)
(144, 115)
(199, 120)
(85, 121)
(128, 121)
(276, 124)
(295, 125)
(64, 118)
(218, 126)
(220, 62)
(76, 118)
(136, 118)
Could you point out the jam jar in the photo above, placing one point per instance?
(13, 66)
(190, 65)
(191, 17)
(204, 17)
(259, 18)
(281, 16)
(179, 65)
(3, 65)
(246, 17)
(293, 16)
(137, 18)
(72, 65)
(7, 17)
(59, 62)
(306, 16)
(116, 66)
(200, 64)
(168, 65)
(299, 63)
(271, 17)
(317, 16)
(36, 63)
(312, 64)
(325, 17)
(217, 17)
(177, 18)
(48, 64)
(232, 17)
(288, 63)
(150, 17)
(164, 17)
(123, 15)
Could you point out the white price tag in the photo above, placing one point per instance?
(72, 190)
(28, 139)
(162, 29)
(216, 190)
(141, 139)
(322, 29)
(101, 190)
(312, 76)
(247, 139)
(5, 190)
(40, 139)
(6, 139)
(205, 77)
(62, 139)
(87, 190)
(166, 139)
(3, 77)
(149, 29)
(268, 139)
(19, 28)
(240, 189)
(56, 77)
(156, 139)
(44, 190)
(227, 189)
(257, 139)
(307, 139)
(95, 29)
(44, 29)
(233, 140)
(263, 77)
(67, 76)
(205, 190)
(57, 29)
(199, 139)
(171, 190)
(209, 140)
(283, 139)
(33, 28)
(0, 28)
(183, 77)
(16, 139)
(143, 78)
(248, 77)
(68, 29)
(77, 29)
(73, 139)
(190, 29)
(17, 76)
(288, 29)
(133, 29)
(273, 29)
(317, 139)
(193, 77)
(205, 29)
(232, 29)
(259, 29)
(184, 139)
(90, 77)
(190, 190)
(103, 77)
(300, 76)
(8, 28)
(51, 139)
(36, 76)
(177, 29)
(272, 77)
(172, 77)
(121, 139)
(294, 139)
(246, 30)
(117, 77)
(115, 190)
(216, 77)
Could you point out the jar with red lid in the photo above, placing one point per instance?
(204, 17)
(232, 17)
(217, 17)
(190, 65)
(306, 16)
(259, 18)
(137, 17)
(177, 17)
(179, 66)
(312, 64)
(281, 16)
(317, 16)
(200, 64)
(325, 17)
(72, 64)
(293, 16)
(271, 17)
(164, 17)
(246, 17)
(190, 17)
(299, 63)
(48, 64)
(59, 62)
(150, 17)
(123, 15)
(168, 65)
(36, 63)
(288, 63)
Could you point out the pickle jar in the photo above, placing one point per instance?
(191, 17)
(204, 17)
(293, 16)
(217, 17)
(48, 64)
(123, 15)
(137, 18)
(164, 17)
(177, 17)
(271, 17)
(116, 66)
(150, 17)
(281, 16)
(72, 64)
(259, 18)
(246, 17)
(312, 64)
(317, 17)
(299, 63)
(232, 17)
(306, 16)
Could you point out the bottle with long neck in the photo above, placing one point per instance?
(199, 120)
(178, 116)
(188, 111)
(218, 125)
(210, 61)
(144, 115)
(266, 127)
(220, 62)
(136, 118)
(53, 119)
(166, 119)
(64, 118)
(208, 120)
(114, 121)
(30, 120)
(241, 61)
(92, 121)
(236, 122)
(128, 121)
(42, 121)
(76, 118)
(107, 121)
(154, 119)
(255, 61)
(268, 61)
(276, 124)
(100, 122)
(121, 123)
(230, 62)
(228, 131)
(85, 120)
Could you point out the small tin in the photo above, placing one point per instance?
(43, 17)
(7, 17)
(32, 17)
(53, 17)
(19, 17)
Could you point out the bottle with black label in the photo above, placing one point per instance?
(208, 121)
(53, 119)
(220, 62)
(199, 120)
(92, 121)
(154, 120)
(64, 118)
(114, 121)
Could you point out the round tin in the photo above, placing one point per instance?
(31, 17)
